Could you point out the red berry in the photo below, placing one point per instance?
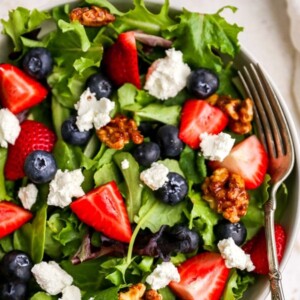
(33, 136)
(121, 61)
(257, 248)
(18, 91)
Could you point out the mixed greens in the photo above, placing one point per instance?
(57, 234)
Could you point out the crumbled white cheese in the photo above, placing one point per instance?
(125, 164)
(162, 275)
(92, 112)
(216, 146)
(28, 195)
(234, 256)
(51, 277)
(64, 186)
(71, 292)
(9, 127)
(167, 76)
(155, 176)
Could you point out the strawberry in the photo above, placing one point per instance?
(12, 217)
(33, 136)
(103, 209)
(197, 117)
(121, 61)
(257, 249)
(248, 159)
(18, 91)
(202, 277)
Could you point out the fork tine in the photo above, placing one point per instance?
(266, 110)
(257, 120)
(277, 111)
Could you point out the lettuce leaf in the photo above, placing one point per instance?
(3, 193)
(237, 284)
(22, 21)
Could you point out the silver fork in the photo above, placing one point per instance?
(274, 133)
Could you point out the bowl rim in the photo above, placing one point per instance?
(244, 55)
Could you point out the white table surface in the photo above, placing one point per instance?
(266, 36)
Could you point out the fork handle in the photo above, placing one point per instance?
(274, 273)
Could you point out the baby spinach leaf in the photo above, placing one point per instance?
(134, 188)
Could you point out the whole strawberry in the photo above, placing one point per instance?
(257, 248)
(33, 136)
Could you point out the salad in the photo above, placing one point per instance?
(129, 164)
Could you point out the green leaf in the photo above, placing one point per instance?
(108, 172)
(159, 112)
(3, 193)
(154, 213)
(134, 188)
(203, 218)
(21, 21)
(139, 18)
(198, 36)
(237, 285)
(30, 237)
(193, 165)
(42, 296)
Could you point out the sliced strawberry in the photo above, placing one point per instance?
(202, 277)
(12, 217)
(121, 61)
(199, 117)
(248, 159)
(103, 209)
(33, 136)
(257, 248)
(18, 91)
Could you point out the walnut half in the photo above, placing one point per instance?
(93, 16)
(138, 292)
(118, 132)
(226, 194)
(240, 112)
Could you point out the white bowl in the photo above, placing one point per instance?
(260, 290)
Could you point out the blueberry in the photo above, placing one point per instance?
(224, 229)
(178, 239)
(13, 291)
(168, 140)
(38, 63)
(16, 266)
(202, 83)
(146, 153)
(71, 134)
(174, 190)
(40, 166)
(100, 85)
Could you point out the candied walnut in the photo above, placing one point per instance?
(135, 292)
(152, 295)
(93, 16)
(118, 132)
(240, 112)
(225, 192)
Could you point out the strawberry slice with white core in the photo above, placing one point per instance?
(198, 117)
(203, 276)
(248, 159)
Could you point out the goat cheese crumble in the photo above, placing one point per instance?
(167, 76)
(125, 164)
(51, 277)
(92, 112)
(71, 292)
(155, 176)
(234, 256)
(28, 195)
(162, 275)
(65, 185)
(216, 146)
(9, 127)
